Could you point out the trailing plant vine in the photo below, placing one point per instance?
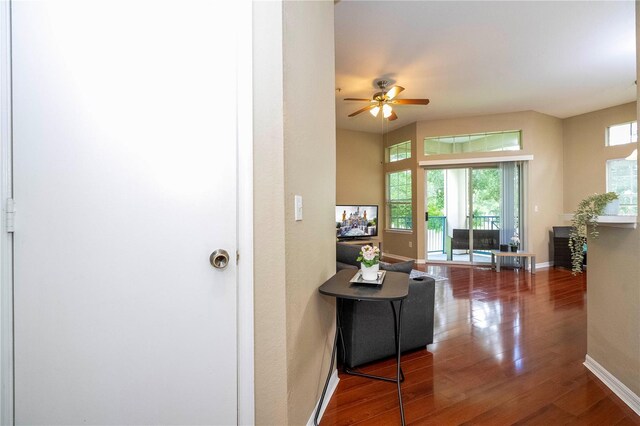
(586, 215)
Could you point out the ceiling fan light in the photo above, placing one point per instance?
(386, 110)
(374, 111)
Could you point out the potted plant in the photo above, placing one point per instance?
(586, 215)
(369, 259)
(515, 243)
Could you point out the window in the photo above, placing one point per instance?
(622, 134)
(399, 199)
(479, 142)
(400, 151)
(622, 178)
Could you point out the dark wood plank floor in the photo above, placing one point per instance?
(508, 349)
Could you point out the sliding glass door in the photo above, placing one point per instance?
(484, 233)
(447, 205)
(471, 210)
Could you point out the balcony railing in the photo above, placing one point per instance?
(437, 230)
(485, 222)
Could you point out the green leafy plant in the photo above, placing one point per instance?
(586, 215)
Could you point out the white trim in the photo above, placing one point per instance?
(244, 212)
(475, 160)
(421, 261)
(397, 257)
(616, 386)
(6, 239)
(333, 384)
(543, 265)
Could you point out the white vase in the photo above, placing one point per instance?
(369, 273)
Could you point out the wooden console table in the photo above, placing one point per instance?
(496, 255)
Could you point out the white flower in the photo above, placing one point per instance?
(369, 254)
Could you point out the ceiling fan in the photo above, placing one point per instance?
(383, 100)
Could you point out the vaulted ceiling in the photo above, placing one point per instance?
(479, 57)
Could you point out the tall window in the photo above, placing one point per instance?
(622, 178)
(400, 151)
(622, 134)
(399, 199)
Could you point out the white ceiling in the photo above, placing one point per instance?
(480, 57)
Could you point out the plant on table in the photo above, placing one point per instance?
(369, 259)
(586, 215)
(369, 256)
(515, 241)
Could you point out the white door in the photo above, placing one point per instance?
(124, 184)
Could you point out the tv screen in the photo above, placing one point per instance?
(356, 221)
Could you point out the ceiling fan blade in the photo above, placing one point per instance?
(410, 101)
(367, 108)
(394, 91)
(358, 99)
(393, 116)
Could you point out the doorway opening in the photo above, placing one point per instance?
(471, 210)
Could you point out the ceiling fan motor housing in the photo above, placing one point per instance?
(382, 84)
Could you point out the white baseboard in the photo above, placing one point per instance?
(397, 256)
(333, 384)
(544, 265)
(421, 261)
(616, 386)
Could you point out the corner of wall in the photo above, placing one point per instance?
(269, 284)
(309, 171)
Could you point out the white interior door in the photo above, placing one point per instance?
(124, 182)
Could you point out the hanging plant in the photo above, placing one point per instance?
(586, 215)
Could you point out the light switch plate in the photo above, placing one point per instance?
(297, 200)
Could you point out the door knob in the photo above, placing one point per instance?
(219, 259)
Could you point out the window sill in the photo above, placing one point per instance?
(630, 222)
(399, 231)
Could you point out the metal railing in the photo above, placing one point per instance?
(485, 222)
(436, 233)
(437, 230)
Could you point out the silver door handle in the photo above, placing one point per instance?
(219, 259)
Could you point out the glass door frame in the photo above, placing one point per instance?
(469, 167)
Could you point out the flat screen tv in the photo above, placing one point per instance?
(356, 222)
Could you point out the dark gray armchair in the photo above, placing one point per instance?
(368, 326)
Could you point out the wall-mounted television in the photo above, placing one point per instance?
(356, 221)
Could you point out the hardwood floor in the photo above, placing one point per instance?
(508, 349)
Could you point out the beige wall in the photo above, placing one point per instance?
(585, 153)
(613, 278)
(543, 208)
(613, 305)
(359, 174)
(293, 62)
(541, 136)
(269, 289)
(402, 243)
(310, 171)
